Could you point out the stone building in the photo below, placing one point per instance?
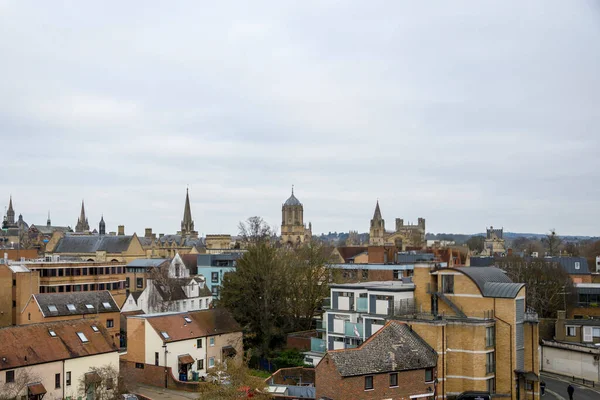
(12, 231)
(293, 229)
(82, 221)
(494, 242)
(405, 235)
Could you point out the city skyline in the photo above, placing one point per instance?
(468, 115)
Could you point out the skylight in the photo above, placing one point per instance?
(71, 307)
(106, 305)
(95, 328)
(52, 308)
(187, 319)
(89, 306)
(83, 338)
(165, 335)
(52, 333)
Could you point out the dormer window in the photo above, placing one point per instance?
(71, 307)
(89, 306)
(52, 308)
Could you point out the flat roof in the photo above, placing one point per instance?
(376, 285)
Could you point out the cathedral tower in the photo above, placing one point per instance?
(293, 230)
(102, 226)
(10, 215)
(377, 231)
(187, 224)
(82, 222)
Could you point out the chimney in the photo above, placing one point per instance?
(121, 230)
(148, 233)
(161, 235)
(561, 314)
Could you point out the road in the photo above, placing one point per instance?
(559, 387)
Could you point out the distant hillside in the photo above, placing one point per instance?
(509, 236)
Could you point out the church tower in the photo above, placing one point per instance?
(10, 215)
(293, 230)
(102, 226)
(377, 231)
(48, 222)
(82, 222)
(187, 224)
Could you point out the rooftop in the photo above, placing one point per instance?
(492, 281)
(75, 303)
(376, 285)
(147, 262)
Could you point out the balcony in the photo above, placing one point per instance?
(321, 325)
(362, 304)
(318, 345)
(349, 329)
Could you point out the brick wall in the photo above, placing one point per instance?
(154, 376)
(292, 376)
(300, 340)
(330, 384)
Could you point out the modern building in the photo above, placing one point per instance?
(215, 266)
(139, 270)
(191, 343)
(17, 284)
(404, 237)
(394, 363)
(98, 307)
(293, 229)
(56, 360)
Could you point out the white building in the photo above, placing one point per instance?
(56, 360)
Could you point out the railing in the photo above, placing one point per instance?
(349, 329)
(362, 304)
(318, 345)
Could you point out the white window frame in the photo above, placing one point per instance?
(571, 327)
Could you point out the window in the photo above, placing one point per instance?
(68, 378)
(14, 282)
(394, 379)
(212, 341)
(199, 343)
(56, 381)
(490, 336)
(14, 303)
(570, 331)
(214, 277)
(448, 283)
(156, 359)
(596, 332)
(184, 305)
(71, 307)
(491, 386)
(200, 365)
(365, 274)
(397, 274)
(52, 333)
(489, 363)
(187, 319)
(139, 365)
(429, 375)
(165, 335)
(106, 305)
(10, 376)
(110, 323)
(127, 282)
(29, 316)
(192, 307)
(577, 265)
(89, 306)
(211, 362)
(369, 382)
(139, 283)
(215, 290)
(82, 337)
(52, 308)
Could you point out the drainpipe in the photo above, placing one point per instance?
(64, 380)
(444, 361)
(166, 370)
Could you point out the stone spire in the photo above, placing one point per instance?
(102, 226)
(82, 222)
(48, 222)
(187, 225)
(10, 214)
(377, 214)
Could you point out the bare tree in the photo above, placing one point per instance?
(552, 243)
(104, 383)
(255, 230)
(233, 380)
(13, 390)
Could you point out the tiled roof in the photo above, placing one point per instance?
(492, 281)
(78, 301)
(93, 243)
(395, 347)
(570, 264)
(215, 321)
(45, 229)
(33, 344)
(178, 290)
(348, 252)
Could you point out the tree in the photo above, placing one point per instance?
(552, 243)
(23, 377)
(103, 383)
(475, 243)
(255, 230)
(549, 286)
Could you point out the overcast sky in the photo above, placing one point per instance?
(468, 114)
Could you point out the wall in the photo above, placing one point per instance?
(234, 339)
(80, 366)
(43, 373)
(6, 296)
(28, 283)
(16, 254)
(330, 384)
(570, 363)
(155, 376)
(136, 343)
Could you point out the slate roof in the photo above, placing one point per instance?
(482, 261)
(191, 262)
(492, 281)
(569, 263)
(211, 322)
(395, 347)
(147, 262)
(292, 201)
(45, 229)
(79, 299)
(93, 243)
(178, 290)
(26, 345)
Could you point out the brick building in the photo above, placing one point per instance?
(393, 363)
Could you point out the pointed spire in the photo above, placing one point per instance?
(187, 225)
(10, 214)
(10, 206)
(102, 226)
(377, 214)
(82, 222)
(82, 215)
(48, 222)
(292, 190)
